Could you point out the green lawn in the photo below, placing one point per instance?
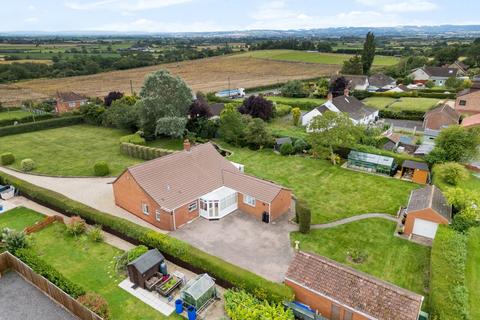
(396, 260)
(473, 272)
(14, 114)
(19, 218)
(69, 151)
(332, 192)
(379, 102)
(313, 57)
(405, 103)
(294, 101)
(166, 143)
(284, 127)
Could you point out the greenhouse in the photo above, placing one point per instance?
(371, 163)
(199, 291)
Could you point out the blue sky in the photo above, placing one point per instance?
(220, 15)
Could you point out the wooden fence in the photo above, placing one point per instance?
(7, 260)
(42, 224)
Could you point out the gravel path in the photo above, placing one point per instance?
(352, 219)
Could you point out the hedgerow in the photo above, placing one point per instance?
(142, 152)
(41, 125)
(25, 119)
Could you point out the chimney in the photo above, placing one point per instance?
(330, 96)
(186, 145)
(346, 92)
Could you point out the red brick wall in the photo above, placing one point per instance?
(281, 204)
(63, 107)
(182, 215)
(129, 196)
(473, 103)
(256, 211)
(426, 214)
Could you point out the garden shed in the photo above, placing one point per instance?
(145, 266)
(415, 171)
(199, 291)
(371, 163)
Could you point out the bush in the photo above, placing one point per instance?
(7, 158)
(101, 168)
(27, 165)
(135, 138)
(96, 303)
(296, 114)
(304, 216)
(286, 149)
(173, 249)
(451, 173)
(14, 240)
(282, 110)
(143, 152)
(50, 273)
(41, 125)
(95, 234)
(403, 115)
(300, 146)
(76, 226)
(294, 89)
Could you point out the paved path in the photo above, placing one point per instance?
(354, 218)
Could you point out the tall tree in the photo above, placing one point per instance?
(257, 107)
(166, 97)
(368, 53)
(200, 108)
(353, 65)
(456, 144)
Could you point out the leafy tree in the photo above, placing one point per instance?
(200, 108)
(256, 134)
(203, 128)
(353, 65)
(257, 107)
(430, 84)
(338, 86)
(456, 144)
(300, 145)
(473, 53)
(112, 96)
(446, 55)
(294, 89)
(286, 149)
(332, 130)
(368, 53)
(296, 113)
(93, 113)
(232, 126)
(163, 98)
(451, 172)
(461, 199)
(121, 115)
(454, 83)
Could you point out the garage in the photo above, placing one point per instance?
(425, 228)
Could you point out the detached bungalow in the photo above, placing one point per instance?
(438, 75)
(69, 101)
(440, 117)
(339, 292)
(175, 189)
(468, 101)
(381, 82)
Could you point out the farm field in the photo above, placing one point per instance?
(14, 114)
(406, 103)
(72, 147)
(206, 75)
(392, 259)
(313, 57)
(332, 192)
(45, 61)
(473, 272)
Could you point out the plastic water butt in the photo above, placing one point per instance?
(192, 313)
(179, 306)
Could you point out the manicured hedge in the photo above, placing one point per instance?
(49, 272)
(142, 152)
(25, 119)
(403, 115)
(177, 251)
(449, 294)
(41, 125)
(409, 94)
(7, 158)
(134, 138)
(101, 168)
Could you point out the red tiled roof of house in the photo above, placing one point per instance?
(70, 96)
(184, 176)
(353, 289)
(472, 121)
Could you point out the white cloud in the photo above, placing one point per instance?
(123, 5)
(402, 6)
(31, 7)
(31, 19)
(146, 25)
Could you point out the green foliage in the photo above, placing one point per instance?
(101, 168)
(461, 198)
(353, 65)
(296, 114)
(50, 273)
(239, 305)
(122, 115)
(304, 215)
(456, 144)
(163, 96)
(257, 135)
(429, 84)
(282, 110)
(27, 165)
(14, 239)
(368, 53)
(402, 115)
(218, 268)
(171, 126)
(128, 257)
(95, 234)
(286, 149)
(7, 158)
(451, 173)
(135, 138)
(454, 83)
(232, 126)
(76, 226)
(294, 89)
(448, 299)
(143, 152)
(300, 145)
(96, 303)
(41, 125)
(466, 219)
(25, 119)
(93, 113)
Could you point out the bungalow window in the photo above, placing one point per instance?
(463, 102)
(145, 208)
(157, 215)
(192, 206)
(249, 200)
(71, 104)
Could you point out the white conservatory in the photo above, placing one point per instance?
(218, 203)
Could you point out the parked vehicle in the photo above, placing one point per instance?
(234, 93)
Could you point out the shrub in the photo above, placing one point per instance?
(451, 172)
(135, 138)
(296, 114)
(300, 146)
(294, 89)
(27, 165)
(96, 303)
(304, 216)
(466, 219)
(143, 152)
(41, 125)
(7, 158)
(50, 273)
(14, 240)
(101, 168)
(129, 256)
(286, 149)
(76, 226)
(282, 110)
(95, 234)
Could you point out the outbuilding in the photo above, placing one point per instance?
(427, 208)
(415, 171)
(371, 163)
(145, 266)
(199, 292)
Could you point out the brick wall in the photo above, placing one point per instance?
(183, 215)
(63, 106)
(426, 214)
(256, 211)
(281, 204)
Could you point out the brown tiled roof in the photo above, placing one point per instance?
(472, 121)
(181, 177)
(70, 96)
(430, 197)
(354, 289)
(445, 109)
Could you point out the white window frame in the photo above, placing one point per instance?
(157, 215)
(72, 104)
(251, 201)
(194, 204)
(145, 208)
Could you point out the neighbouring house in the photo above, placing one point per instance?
(399, 142)
(371, 163)
(279, 142)
(358, 112)
(472, 121)
(438, 75)
(427, 208)
(69, 101)
(355, 82)
(440, 117)
(400, 88)
(415, 171)
(173, 190)
(428, 142)
(462, 67)
(381, 82)
(146, 266)
(216, 109)
(338, 292)
(468, 100)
